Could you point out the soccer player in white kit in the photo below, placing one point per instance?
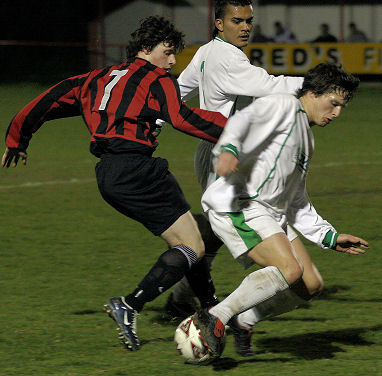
(220, 72)
(263, 159)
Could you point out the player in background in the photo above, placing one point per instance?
(263, 159)
(119, 105)
(220, 72)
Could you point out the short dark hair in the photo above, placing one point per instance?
(221, 6)
(152, 31)
(328, 78)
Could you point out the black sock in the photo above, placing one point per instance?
(169, 269)
(300, 289)
(200, 280)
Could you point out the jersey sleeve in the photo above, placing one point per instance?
(249, 128)
(188, 80)
(203, 124)
(303, 217)
(59, 101)
(243, 78)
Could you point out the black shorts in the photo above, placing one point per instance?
(142, 188)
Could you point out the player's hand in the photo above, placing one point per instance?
(11, 156)
(227, 164)
(351, 244)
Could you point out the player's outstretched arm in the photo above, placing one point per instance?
(227, 164)
(13, 155)
(351, 244)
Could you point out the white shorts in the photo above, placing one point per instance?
(243, 230)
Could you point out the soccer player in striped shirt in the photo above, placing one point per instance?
(263, 159)
(119, 105)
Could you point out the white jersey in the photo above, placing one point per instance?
(221, 72)
(274, 144)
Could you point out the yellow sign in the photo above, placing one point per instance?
(359, 58)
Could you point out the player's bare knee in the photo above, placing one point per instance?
(316, 287)
(292, 272)
(196, 243)
(199, 249)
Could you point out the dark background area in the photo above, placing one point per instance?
(64, 22)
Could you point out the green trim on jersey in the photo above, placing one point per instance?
(330, 239)
(276, 160)
(202, 70)
(220, 39)
(230, 149)
(249, 236)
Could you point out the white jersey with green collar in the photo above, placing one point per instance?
(274, 144)
(221, 72)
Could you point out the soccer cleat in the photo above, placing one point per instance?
(211, 331)
(126, 319)
(242, 338)
(177, 309)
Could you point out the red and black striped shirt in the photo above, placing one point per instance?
(119, 105)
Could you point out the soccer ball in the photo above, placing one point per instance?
(189, 344)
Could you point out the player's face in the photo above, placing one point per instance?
(236, 25)
(162, 56)
(325, 108)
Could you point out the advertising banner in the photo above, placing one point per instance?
(296, 59)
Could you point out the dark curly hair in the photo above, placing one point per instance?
(221, 6)
(153, 31)
(328, 78)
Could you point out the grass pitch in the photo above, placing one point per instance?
(64, 252)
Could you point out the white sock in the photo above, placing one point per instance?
(254, 289)
(282, 302)
(247, 319)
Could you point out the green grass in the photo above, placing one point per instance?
(64, 252)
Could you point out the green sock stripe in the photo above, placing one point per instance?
(282, 275)
(249, 236)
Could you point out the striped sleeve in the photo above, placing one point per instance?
(203, 124)
(59, 101)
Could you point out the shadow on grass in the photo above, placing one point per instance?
(225, 364)
(157, 340)
(310, 346)
(329, 293)
(88, 312)
(321, 345)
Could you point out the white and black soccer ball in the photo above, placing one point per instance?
(189, 344)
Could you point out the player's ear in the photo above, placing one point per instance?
(219, 24)
(313, 95)
(146, 51)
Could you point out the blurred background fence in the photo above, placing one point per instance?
(46, 41)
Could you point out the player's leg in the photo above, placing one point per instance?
(300, 292)
(198, 276)
(281, 269)
(312, 279)
(170, 267)
(256, 288)
(181, 302)
(142, 188)
(255, 235)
